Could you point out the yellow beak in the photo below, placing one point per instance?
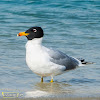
(22, 34)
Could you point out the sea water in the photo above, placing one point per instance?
(71, 26)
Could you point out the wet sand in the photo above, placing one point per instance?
(70, 98)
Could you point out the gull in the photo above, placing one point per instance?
(45, 61)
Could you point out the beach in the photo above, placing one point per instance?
(88, 98)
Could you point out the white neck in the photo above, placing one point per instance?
(36, 41)
(33, 46)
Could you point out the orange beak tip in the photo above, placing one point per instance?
(18, 35)
(22, 34)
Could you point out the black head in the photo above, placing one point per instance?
(34, 32)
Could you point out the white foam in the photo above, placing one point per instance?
(35, 94)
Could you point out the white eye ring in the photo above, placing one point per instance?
(34, 30)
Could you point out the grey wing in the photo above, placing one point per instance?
(63, 59)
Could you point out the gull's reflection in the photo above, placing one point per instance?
(50, 89)
(53, 87)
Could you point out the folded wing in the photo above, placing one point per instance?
(60, 58)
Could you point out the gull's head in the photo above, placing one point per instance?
(33, 32)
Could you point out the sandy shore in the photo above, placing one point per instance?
(70, 98)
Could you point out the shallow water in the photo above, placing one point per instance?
(72, 26)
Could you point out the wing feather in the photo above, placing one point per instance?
(61, 58)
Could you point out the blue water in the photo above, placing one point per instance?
(72, 26)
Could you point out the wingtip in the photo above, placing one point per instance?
(88, 63)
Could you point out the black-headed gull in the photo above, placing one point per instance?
(44, 61)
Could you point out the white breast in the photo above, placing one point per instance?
(38, 60)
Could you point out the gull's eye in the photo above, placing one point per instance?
(34, 30)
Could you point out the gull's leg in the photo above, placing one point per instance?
(41, 79)
(51, 79)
